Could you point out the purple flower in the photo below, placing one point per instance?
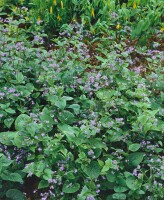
(91, 152)
(135, 172)
(11, 90)
(97, 191)
(91, 197)
(2, 94)
(61, 168)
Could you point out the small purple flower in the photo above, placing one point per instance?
(61, 168)
(91, 152)
(135, 173)
(91, 197)
(97, 191)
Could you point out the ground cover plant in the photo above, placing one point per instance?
(81, 108)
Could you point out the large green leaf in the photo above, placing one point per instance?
(33, 127)
(7, 137)
(133, 183)
(47, 120)
(134, 147)
(105, 94)
(83, 193)
(15, 194)
(10, 110)
(8, 122)
(135, 158)
(120, 188)
(19, 139)
(76, 108)
(120, 196)
(13, 177)
(21, 122)
(47, 174)
(111, 177)
(4, 161)
(66, 117)
(20, 77)
(107, 166)
(97, 142)
(93, 170)
(70, 187)
(43, 184)
(69, 131)
(61, 103)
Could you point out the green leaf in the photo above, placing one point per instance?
(19, 139)
(70, 176)
(32, 128)
(135, 158)
(111, 177)
(143, 119)
(66, 117)
(67, 77)
(141, 192)
(158, 150)
(83, 194)
(97, 142)
(133, 183)
(67, 98)
(14, 177)
(70, 187)
(105, 121)
(101, 59)
(21, 122)
(134, 147)
(105, 94)
(47, 120)
(69, 131)
(120, 196)
(107, 166)
(76, 108)
(15, 194)
(119, 188)
(20, 77)
(40, 166)
(61, 103)
(43, 184)
(9, 110)
(8, 122)
(121, 181)
(7, 137)
(4, 106)
(30, 87)
(92, 170)
(47, 174)
(4, 161)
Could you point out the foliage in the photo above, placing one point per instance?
(81, 117)
(138, 17)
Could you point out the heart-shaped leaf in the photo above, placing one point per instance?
(135, 158)
(15, 194)
(134, 147)
(70, 187)
(21, 122)
(92, 170)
